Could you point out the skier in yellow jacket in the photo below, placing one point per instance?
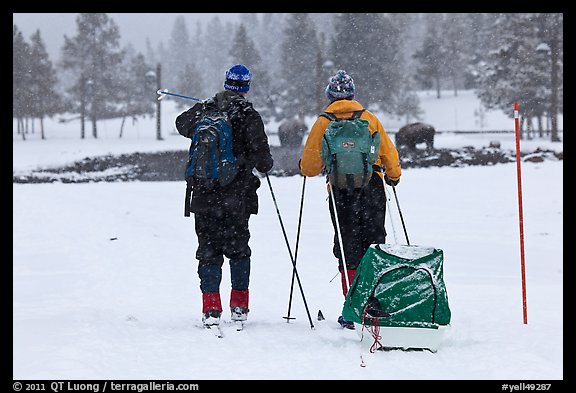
(361, 211)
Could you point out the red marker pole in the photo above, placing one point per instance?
(521, 220)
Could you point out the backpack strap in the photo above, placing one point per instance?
(187, 201)
(332, 117)
(357, 114)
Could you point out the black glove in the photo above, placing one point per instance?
(391, 182)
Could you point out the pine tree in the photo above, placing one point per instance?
(453, 29)
(179, 52)
(214, 54)
(189, 82)
(431, 57)
(406, 102)
(44, 100)
(269, 43)
(244, 51)
(550, 33)
(137, 92)
(368, 47)
(399, 97)
(94, 55)
(299, 69)
(267, 35)
(476, 39)
(20, 79)
(414, 30)
(513, 70)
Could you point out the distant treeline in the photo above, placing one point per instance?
(504, 57)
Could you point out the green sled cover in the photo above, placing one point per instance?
(407, 282)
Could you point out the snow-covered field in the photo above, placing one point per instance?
(105, 283)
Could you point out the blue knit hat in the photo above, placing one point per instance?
(238, 78)
(340, 87)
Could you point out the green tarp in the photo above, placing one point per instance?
(399, 285)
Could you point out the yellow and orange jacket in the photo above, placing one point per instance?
(311, 162)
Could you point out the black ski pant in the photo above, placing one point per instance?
(222, 233)
(361, 215)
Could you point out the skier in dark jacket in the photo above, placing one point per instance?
(221, 214)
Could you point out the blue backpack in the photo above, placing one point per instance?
(211, 160)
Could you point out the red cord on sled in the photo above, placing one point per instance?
(374, 330)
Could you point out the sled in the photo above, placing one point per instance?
(398, 298)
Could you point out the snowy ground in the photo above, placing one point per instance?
(105, 283)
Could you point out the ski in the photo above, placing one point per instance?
(238, 325)
(216, 330)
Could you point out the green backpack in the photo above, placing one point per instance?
(349, 150)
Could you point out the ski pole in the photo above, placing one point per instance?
(345, 272)
(288, 318)
(401, 217)
(289, 250)
(164, 93)
(386, 201)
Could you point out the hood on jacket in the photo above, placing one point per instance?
(344, 106)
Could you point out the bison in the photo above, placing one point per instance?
(412, 134)
(291, 133)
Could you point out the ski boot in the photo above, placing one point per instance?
(345, 324)
(239, 314)
(211, 318)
